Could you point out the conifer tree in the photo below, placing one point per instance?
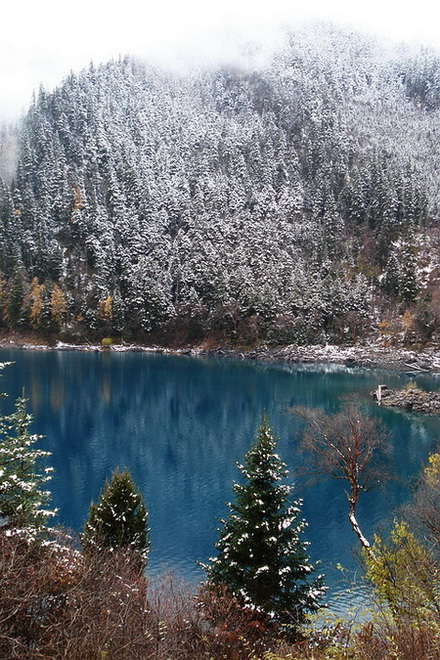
(14, 308)
(119, 519)
(23, 498)
(262, 560)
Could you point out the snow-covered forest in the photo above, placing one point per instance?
(296, 203)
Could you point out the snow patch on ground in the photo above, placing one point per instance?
(370, 356)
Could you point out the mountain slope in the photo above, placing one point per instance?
(296, 202)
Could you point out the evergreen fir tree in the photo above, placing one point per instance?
(408, 278)
(14, 308)
(23, 498)
(119, 519)
(262, 560)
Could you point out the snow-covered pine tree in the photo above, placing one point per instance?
(23, 498)
(262, 560)
(119, 519)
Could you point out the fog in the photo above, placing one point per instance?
(43, 42)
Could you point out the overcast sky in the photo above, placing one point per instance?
(43, 40)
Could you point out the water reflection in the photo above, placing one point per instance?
(179, 424)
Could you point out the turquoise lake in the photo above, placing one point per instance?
(180, 424)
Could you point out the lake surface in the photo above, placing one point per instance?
(181, 423)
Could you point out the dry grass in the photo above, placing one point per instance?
(56, 603)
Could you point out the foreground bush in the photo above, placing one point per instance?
(57, 603)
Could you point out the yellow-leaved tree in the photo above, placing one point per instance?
(35, 304)
(58, 306)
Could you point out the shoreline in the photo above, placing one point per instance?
(372, 356)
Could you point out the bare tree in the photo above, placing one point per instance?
(346, 446)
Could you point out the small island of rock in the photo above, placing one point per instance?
(410, 399)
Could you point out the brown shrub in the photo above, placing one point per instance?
(55, 603)
(238, 631)
(380, 641)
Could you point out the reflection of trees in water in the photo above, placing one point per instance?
(179, 424)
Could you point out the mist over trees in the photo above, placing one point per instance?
(295, 203)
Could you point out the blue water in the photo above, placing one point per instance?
(180, 424)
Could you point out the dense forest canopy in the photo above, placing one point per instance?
(297, 202)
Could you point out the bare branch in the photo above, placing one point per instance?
(346, 446)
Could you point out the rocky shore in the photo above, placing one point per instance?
(371, 356)
(412, 399)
